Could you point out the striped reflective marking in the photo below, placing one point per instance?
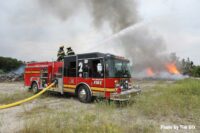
(68, 90)
(97, 89)
(102, 89)
(28, 72)
(70, 86)
(37, 66)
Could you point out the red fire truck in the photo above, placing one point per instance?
(86, 75)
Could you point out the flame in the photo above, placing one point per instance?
(171, 67)
(150, 72)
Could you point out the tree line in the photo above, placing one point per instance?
(8, 64)
(189, 68)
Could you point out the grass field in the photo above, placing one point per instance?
(176, 103)
(16, 96)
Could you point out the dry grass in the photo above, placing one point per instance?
(103, 117)
(176, 103)
(34, 111)
(16, 96)
(180, 100)
(94, 121)
(1, 122)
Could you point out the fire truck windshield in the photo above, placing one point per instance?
(117, 68)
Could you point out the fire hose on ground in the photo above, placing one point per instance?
(27, 99)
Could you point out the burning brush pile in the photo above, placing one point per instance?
(170, 72)
(12, 76)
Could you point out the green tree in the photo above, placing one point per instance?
(8, 64)
(196, 71)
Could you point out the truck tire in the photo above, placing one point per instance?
(84, 94)
(34, 88)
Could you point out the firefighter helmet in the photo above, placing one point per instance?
(62, 46)
(70, 51)
(69, 48)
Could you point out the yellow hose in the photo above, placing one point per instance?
(26, 100)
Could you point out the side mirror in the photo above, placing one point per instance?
(99, 67)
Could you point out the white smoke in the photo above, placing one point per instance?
(19, 70)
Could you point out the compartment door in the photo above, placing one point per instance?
(70, 74)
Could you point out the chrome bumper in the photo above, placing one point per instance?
(125, 95)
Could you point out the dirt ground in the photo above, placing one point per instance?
(12, 120)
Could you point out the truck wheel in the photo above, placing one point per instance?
(34, 88)
(84, 94)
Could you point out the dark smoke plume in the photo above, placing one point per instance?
(141, 46)
(119, 14)
(144, 48)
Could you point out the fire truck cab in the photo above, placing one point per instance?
(85, 75)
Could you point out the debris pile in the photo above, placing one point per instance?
(11, 77)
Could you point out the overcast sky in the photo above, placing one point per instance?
(28, 32)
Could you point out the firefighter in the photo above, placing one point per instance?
(61, 54)
(70, 51)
